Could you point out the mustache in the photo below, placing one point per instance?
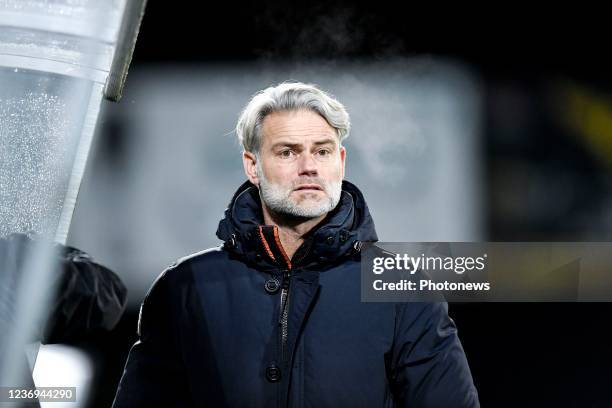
(304, 181)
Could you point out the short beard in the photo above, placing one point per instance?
(277, 199)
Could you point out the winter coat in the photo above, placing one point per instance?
(244, 326)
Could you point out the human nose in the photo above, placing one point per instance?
(307, 165)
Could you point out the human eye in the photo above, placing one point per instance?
(324, 153)
(286, 153)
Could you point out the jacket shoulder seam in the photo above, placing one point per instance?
(186, 258)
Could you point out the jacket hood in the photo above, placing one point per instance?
(339, 235)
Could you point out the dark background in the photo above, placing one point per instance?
(545, 181)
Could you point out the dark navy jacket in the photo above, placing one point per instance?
(243, 326)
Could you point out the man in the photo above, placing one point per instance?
(273, 318)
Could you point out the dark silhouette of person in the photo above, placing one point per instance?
(87, 297)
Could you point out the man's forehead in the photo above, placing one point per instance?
(296, 127)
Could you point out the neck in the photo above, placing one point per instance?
(291, 230)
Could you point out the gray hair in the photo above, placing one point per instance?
(289, 96)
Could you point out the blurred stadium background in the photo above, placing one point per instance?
(465, 128)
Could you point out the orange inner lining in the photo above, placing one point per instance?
(278, 243)
(263, 239)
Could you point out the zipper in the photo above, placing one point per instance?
(284, 313)
(284, 302)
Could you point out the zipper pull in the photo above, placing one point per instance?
(286, 277)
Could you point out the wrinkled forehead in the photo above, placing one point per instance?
(296, 127)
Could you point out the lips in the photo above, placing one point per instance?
(307, 187)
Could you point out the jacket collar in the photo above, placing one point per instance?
(339, 235)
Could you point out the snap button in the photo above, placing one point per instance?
(330, 240)
(272, 286)
(273, 373)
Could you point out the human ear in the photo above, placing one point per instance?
(342, 159)
(249, 161)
